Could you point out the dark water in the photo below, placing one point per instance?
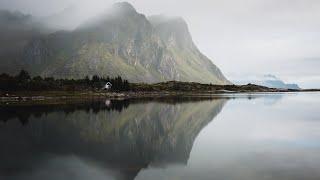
(240, 137)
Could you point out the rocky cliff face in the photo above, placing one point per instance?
(126, 43)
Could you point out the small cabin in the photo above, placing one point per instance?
(107, 86)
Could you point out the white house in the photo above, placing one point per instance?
(107, 86)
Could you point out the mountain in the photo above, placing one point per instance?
(274, 82)
(270, 81)
(126, 43)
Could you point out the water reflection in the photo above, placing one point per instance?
(253, 140)
(257, 136)
(98, 140)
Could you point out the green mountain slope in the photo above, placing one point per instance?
(126, 43)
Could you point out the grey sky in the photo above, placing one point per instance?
(243, 37)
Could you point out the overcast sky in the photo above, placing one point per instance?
(243, 37)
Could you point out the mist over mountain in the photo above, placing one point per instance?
(67, 19)
(16, 31)
(122, 42)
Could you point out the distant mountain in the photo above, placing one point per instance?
(274, 82)
(126, 43)
(270, 81)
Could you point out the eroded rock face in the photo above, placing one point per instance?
(124, 42)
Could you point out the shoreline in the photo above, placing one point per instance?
(170, 89)
(81, 96)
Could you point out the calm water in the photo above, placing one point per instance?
(231, 137)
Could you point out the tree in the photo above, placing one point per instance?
(23, 81)
(95, 78)
(4, 76)
(37, 78)
(23, 76)
(87, 80)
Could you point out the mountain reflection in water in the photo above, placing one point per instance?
(100, 140)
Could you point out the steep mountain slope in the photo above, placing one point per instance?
(191, 63)
(123, 42)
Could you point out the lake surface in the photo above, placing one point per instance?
(231, 137)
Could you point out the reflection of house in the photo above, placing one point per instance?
(107, 86)
(108, 102)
